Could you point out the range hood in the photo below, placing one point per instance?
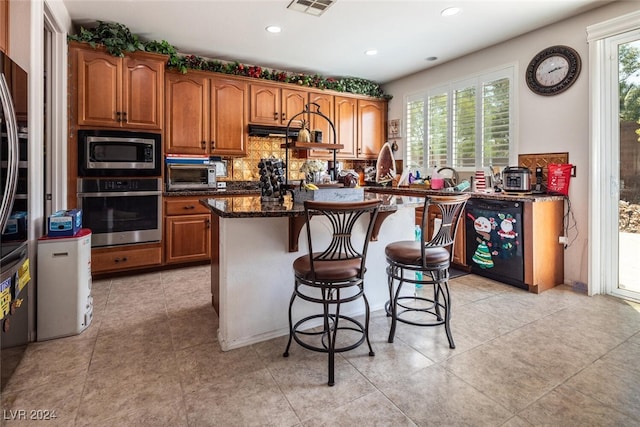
(272, 131)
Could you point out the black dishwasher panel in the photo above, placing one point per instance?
(495, 244)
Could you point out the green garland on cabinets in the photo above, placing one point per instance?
(117, 39)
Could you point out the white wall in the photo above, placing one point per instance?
(543, 124)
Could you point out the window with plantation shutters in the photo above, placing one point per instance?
(415, 133)
(466, 124)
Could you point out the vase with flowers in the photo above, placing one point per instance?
(312, 170)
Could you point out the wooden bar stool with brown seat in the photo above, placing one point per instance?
(425, 262)
(331, 276)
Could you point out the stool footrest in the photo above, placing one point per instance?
(354, 325)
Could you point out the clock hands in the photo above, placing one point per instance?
(555, 69)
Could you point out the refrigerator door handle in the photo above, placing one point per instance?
(12, 155)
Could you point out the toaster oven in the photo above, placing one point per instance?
(181, 176)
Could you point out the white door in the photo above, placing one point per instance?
(628, 199)
(614, 205)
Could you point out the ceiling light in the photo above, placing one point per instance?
(273, 29)
(371, 52)
(450, 11)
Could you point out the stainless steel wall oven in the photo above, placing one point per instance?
(121, 211)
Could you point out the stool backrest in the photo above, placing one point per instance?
(342, 217)
(450, 209)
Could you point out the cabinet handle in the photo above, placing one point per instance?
(124, 116)
(203, 144)
(284, 116)
(118, 118)
(123, 259)
(208, 222)
(213, 145)
(189, 207)
(275, 116)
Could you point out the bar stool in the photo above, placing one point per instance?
(425, 262)
(331, 276)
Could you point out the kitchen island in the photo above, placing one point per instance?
(254, 245)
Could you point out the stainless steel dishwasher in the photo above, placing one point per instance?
(494, 239)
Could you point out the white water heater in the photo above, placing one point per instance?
(65, 304)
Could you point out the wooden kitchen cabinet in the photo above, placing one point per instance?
(325, 105)
(187, 230)
(205, 115)
(372, 115)
(274, 105)
(4, 26)
(346, 123)
(459, 246)
(117, 92)
(123, 258)
(360, 128)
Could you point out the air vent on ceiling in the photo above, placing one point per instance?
(312, 7)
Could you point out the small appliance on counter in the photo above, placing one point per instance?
(516, 179)
(191, 173)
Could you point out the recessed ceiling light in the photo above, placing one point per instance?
(432, 58)
(273, 29)
(450, 11)
(371, 52)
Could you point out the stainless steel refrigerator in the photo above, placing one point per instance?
(14, 264)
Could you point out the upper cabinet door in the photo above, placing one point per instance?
(229, 111)
(119, 92)
(187, 114)
(4, 26)
(371, 121)
(265, 104)
(99, 83)
(272, 105)
(143, 93)
(346, 123)
(293, 102)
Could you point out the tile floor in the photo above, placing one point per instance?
(151, 358)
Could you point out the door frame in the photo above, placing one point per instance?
(604, 179)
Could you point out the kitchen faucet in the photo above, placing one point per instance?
(453, 181)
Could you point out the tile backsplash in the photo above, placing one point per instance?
(246, 168)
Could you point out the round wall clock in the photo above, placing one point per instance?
(553, 70)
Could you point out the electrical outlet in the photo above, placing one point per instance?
(563, 240)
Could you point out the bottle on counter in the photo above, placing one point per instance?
(418, 238)
(437, 180)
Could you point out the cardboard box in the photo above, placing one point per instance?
(64, 223)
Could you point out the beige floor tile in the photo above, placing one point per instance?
(106, 397)
(372, 409)
(53, 403)
(611, 384)
(45, 361)
(206, 364)
(567, 406)
(246, 400)
(189, 329)
(436, 397)
(500, 375)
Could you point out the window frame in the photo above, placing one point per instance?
(477, 80)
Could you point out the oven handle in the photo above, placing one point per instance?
(124, 193)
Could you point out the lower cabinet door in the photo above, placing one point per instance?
(188, 238)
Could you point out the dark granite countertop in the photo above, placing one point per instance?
(516, 197)
(251, 206)
(210, 193)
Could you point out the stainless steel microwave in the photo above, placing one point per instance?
(108, 153)
(181, 176)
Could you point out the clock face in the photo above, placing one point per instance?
(553, 70)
